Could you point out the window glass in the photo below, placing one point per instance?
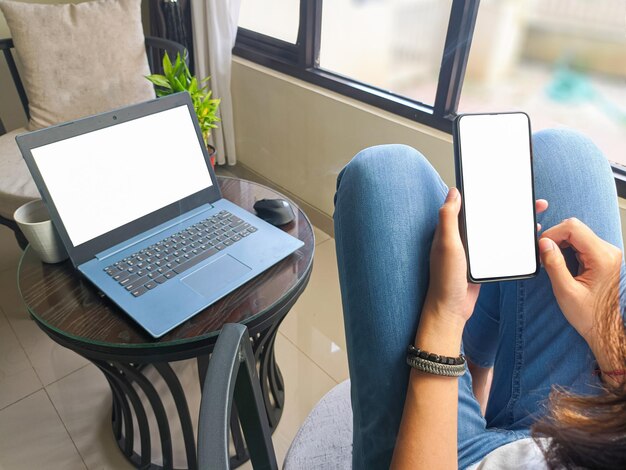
(395, 45)
(561, 61)
(276, 18)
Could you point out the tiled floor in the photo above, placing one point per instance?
(55, 407)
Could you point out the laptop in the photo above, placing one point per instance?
(137, 205)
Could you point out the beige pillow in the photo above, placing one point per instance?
(79, 59)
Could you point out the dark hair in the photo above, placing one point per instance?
(590, 431)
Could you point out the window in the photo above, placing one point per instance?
(406, 56)
(395, 45)
(562, 61)
(275, 18)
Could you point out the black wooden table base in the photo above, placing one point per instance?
(130, 422)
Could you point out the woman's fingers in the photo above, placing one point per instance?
(540, 205)
(599, 264)
(552, 259)
(573, 233)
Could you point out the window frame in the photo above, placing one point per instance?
(301, 60)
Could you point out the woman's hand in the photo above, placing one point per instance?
(599, 270)
(450, 296)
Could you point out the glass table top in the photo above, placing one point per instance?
(61, 300)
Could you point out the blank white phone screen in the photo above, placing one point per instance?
(497, 184)
(106, 178)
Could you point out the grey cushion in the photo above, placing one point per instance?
(325, 439)
(16, 185)
(79, 60)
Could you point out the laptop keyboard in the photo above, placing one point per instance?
(166, 259)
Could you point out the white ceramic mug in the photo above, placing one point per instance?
(34, 221)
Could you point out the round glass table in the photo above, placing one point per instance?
(74, 314)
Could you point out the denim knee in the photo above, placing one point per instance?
(562, 150)
(371, 166)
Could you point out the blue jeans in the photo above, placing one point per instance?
(386, 210)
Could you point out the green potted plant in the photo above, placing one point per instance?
(176, 78)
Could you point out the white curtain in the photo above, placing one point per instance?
(214, 33)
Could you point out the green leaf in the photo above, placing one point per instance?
(167, 66)
(178, 70)
(177, 85)
(159, 80)
(193, 85)
(178, 78)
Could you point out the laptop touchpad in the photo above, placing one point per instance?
(215, 276)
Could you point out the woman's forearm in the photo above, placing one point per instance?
(427, 438)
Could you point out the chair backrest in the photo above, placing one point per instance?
(154, 48)
(231, 379)
(6, 45)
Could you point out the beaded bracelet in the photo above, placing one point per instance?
(417, 352)
(434, 363)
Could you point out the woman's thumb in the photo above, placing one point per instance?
(554, 262)
(449, 215)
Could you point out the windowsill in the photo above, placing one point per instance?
(325, 92)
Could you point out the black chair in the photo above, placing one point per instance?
(232, 379)
(154, 49)
(324, 438)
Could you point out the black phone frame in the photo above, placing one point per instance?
(458, 170)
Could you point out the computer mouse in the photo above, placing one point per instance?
(274, 211)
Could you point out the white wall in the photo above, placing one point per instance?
(300, 136)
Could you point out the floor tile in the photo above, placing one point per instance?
(50, 360)
(9, 249)
(17, 377)
(320, 235)
(305, 385)
(315, 323)
(10, 299)
(83, 400)
(33, 436)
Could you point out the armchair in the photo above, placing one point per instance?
(16, 184)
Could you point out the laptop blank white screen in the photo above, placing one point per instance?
(106, 178)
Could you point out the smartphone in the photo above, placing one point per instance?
(494, 173)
